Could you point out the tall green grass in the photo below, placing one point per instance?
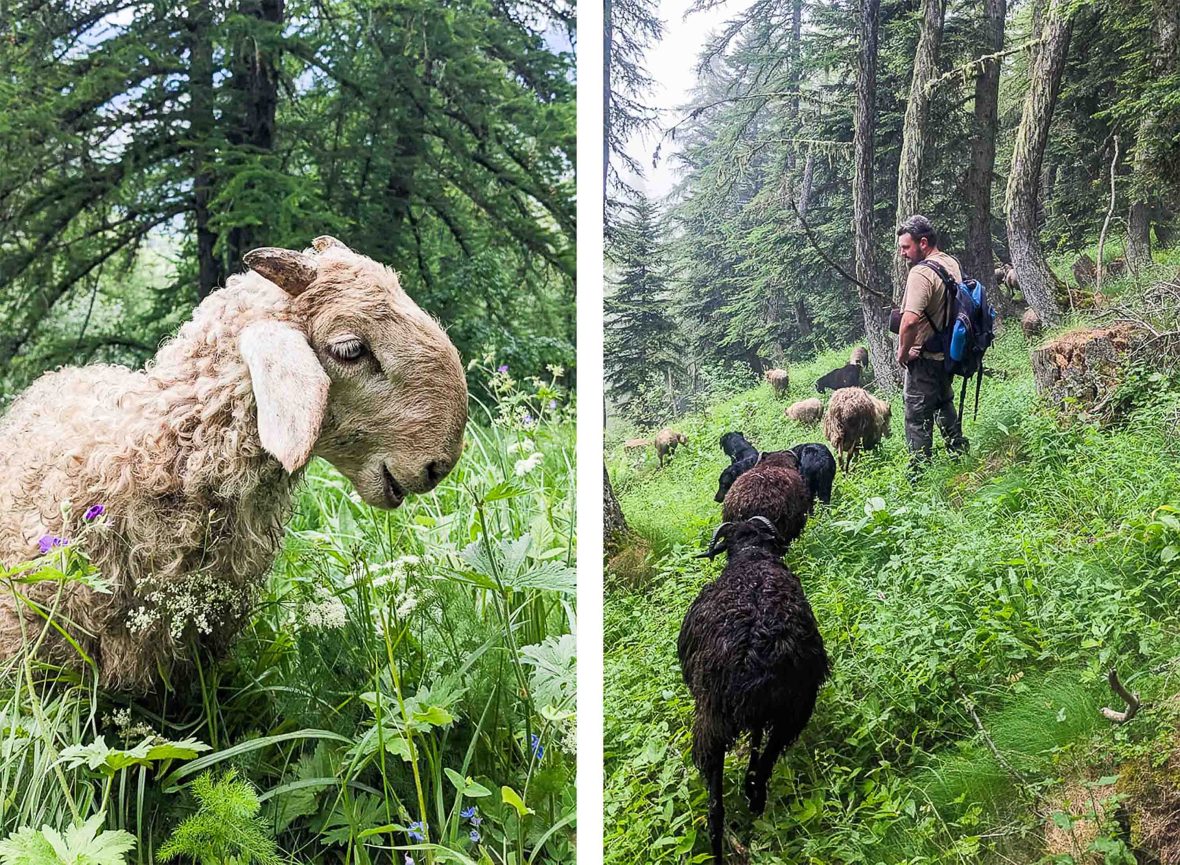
(405, 690)
(1004, 583)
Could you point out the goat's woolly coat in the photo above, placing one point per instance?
(773, 488)
(855, 419)
(194, 504)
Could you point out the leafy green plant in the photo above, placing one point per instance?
(226, 829)
(82, 844)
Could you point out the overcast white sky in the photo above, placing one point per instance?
(670, 64)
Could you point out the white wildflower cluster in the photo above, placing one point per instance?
(392, 580)
(200, 600)
(326, 611)
(120, 719)
(569, 738)
(521, 446)
(526, 465)
(555, 369)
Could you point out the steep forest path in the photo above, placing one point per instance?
(995, 594)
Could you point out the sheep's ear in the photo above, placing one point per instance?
(325, 241)
(291, 271)
(290, 390)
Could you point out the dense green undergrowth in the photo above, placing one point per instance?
(1000, 587)
(405, 692)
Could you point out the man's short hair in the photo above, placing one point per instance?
(917, 227)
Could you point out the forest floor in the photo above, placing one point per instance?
(970, 619)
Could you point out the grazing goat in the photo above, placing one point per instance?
(1030, 324)
(779, 382)
(667, 440)
(773, 488)
(855, 419)
(818, 467)
(846, 376)
(753, 660)
(194, 459)
(860, 357)
(742, 457)
(806, 411)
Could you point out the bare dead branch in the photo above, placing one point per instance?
(1106, 223)
(1132, 700)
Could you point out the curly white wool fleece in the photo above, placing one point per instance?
(195, 505)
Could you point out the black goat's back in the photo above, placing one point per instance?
(818, 467)
(750, 650)
(732, 472)
(846, 376)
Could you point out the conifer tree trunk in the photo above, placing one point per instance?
(876, 314)
(1037, 281)
(1164, 59)
(201, 124)
(255, 84)
(916, 128)
(978, 259)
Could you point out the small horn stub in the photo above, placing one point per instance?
(291, 271)
(326, 241)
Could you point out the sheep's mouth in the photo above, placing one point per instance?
(394, 494)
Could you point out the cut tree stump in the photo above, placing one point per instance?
(1085, 271)
(1080, 369)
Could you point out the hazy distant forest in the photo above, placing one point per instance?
(1001, 121)
(146, 145)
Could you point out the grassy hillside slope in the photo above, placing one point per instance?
(1004, 584)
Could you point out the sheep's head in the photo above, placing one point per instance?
(363, 378)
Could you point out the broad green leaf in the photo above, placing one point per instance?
(511, 797)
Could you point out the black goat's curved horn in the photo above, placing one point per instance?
(712, 549)
(773, 528)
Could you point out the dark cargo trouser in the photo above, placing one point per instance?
(929, 398)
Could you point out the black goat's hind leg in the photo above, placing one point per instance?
(780, 737)
(751, 785)
(713, 768)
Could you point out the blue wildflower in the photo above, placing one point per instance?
(552, 403)
(538, 748)
(50, 542)
(474, 836)
(467, 813)
(502, 368)
(476, 820)
(417, 831)
(94, 512)
(409, 859)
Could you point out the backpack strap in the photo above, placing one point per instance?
(948, 284)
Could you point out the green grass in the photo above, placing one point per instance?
(371, 691)
(1009, 580)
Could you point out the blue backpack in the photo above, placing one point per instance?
(967, 332)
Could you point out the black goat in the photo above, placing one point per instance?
(846, 376)
(818, 467)
(742, 457)
(753, 659)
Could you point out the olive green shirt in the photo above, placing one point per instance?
(925, 293)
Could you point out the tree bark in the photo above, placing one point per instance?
(978, 259)
(614, 526)
(1037, 281)
(255, 84)
(876, 317)
(1143, 178)
(916, 127)
(201, 125)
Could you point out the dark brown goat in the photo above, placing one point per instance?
(774, 488)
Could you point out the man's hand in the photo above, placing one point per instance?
(907, 336)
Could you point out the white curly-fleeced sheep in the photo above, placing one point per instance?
(310, 353)
(855, 419)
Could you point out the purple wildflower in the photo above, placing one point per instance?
(94, 512)
(476, 820)
(409, 859)
(502, 368)
(552, 403)
(50, 542)
(538, 748)
(467, 813)
(474, 836)
(417, 831)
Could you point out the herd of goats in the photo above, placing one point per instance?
(749, 647)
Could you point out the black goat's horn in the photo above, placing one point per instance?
(773, 528)
(712, 548)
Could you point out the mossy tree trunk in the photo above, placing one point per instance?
(614, 525)
(1036, 279)
(978, 259)
(876, 314)
(916, 128)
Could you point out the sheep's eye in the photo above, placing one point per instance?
(348, 351)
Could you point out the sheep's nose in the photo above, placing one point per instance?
(435, 471)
